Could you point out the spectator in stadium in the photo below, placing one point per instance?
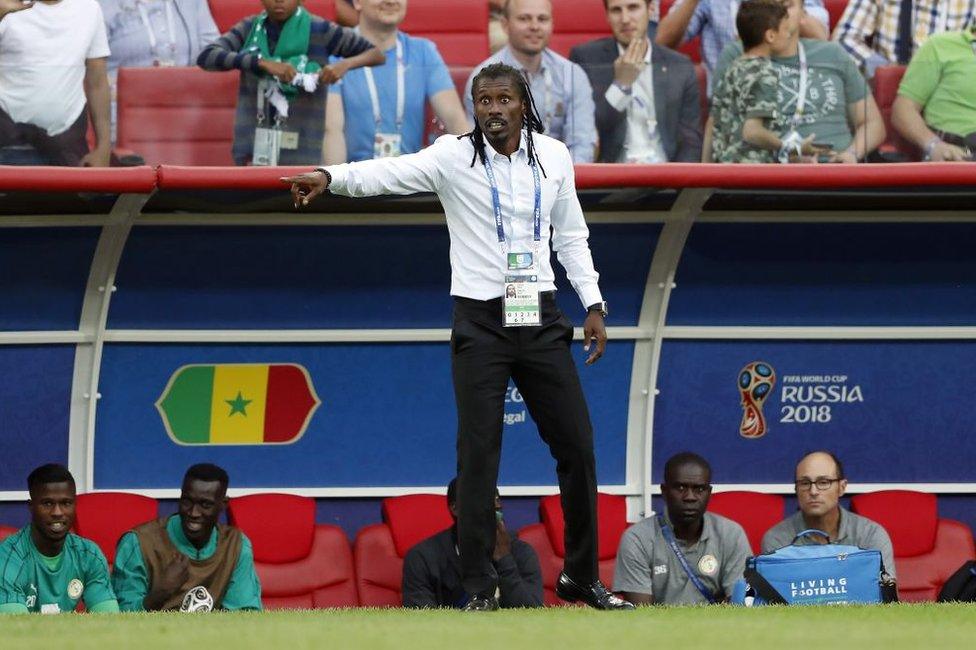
(274, 50)
(346, 14)
(876, 32)
(432, 568)
(44, 567)
(646, 97)
(379, 112)
(936, 103)
(685, 555)
(158, 563)
(820, 483)
(563, 92)
(834, 102)
(714, 21)
(144, 33)
(748, 126)
(46, 82)
(495, 169)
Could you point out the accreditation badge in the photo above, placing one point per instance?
(521, 299)
(386, 145)
(267, 146)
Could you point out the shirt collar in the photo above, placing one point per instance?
(707, 527)
(522, 148)
(647, 55)
(174, 528)
(507, 57)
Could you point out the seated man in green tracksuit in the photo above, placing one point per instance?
(43, 567)
(188, 561)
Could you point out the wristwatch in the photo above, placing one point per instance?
(600, 307)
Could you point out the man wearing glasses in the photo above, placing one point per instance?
(820, 484)
(684, 555)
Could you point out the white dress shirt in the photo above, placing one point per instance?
(643, 141)
(478, 260)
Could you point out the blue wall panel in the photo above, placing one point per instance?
(43, 273)
(387, 419)
(827, 274)
(910, 419)
(330, 277)
(35, 397)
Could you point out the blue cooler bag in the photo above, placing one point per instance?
(819, 574)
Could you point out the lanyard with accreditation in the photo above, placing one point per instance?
(387, 145)
(521, 305)
(150, 33)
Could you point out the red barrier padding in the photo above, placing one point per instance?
(135, 180)
(671, 175)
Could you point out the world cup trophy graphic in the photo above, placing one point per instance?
(756, 382)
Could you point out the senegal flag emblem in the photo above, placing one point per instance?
(238, 404)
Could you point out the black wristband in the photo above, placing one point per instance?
(328, 176)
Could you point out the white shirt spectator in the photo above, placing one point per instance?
(643, 142)
(42, 61)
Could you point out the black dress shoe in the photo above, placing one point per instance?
(481, 604)
(594, 594)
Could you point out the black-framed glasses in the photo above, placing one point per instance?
(804, 485)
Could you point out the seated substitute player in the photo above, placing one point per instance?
(43, 567)
(158, 563)
(432, 568)
(684, 556)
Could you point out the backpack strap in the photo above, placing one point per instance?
(765, 590)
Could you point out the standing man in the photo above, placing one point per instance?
(379, 112)
(820, 483)
(159, 563)
(44, 567)
(503, 187)
(432, 568)
(561, 88)
(714, 20)
(685, 555)
(647, 99)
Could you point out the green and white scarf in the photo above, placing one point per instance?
(292, 45)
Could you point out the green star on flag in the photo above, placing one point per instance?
(238, 405)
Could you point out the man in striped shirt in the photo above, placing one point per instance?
(304, 130)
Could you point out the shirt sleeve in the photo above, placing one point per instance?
(761, 95)
(580, 122)
(244, 590)
(858, 23)
(520, 577)
(98, 48)
(423, 171)
(98, 587)
(417, 590)
(923, 74)
(775, 538)
(129, 577)
(347, 42)
(877, 538)
(466, 99)
(855, 87)
(731, 52)
(206, 27)
(225, 52)
(734, 564)
(570, 237)
(436, 74)
(105, 607)
(632, 572)
(617, 98)
(13, 595)
(699, 18)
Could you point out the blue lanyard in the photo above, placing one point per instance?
(496, 202)
(695, 580)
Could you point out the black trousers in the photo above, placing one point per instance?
(484, 356)
(64, 149)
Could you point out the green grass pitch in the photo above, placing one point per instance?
(889, 627)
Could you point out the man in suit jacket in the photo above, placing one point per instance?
(647, 98)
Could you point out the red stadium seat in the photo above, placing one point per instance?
(227, 13)
(927, 549)
(575, 22)
(885, 86)
(301, 564)
(103, 517)
(459, 28)
(379, 549)
(6, 531)
(754, 511)
(178, 116)
(835, 9)
(549, 542)
(693, 47)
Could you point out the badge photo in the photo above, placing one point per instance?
(75, 589)
(708, 565)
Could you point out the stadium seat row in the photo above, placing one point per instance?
(307, 565)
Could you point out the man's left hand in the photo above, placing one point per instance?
(844, 157)
(503, 543)
(594, 330)
(97, 157)
(329, 74)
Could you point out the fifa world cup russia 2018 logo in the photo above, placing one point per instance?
(756, 382)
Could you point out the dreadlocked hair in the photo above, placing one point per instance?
(530, 118)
